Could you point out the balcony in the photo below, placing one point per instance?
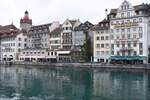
(126, 49)
(126, 25)
(126, 40)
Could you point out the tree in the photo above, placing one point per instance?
(86, 49)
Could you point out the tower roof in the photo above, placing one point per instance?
(26, 18)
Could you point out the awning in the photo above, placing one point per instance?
(127, 58)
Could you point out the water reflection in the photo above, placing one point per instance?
(118, 85)
(46, 84)
(35, 83)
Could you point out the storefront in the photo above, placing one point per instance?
(128, 59)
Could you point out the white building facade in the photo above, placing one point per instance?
(129, 34)
(101, 42)
(11, 45)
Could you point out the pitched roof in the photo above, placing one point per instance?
(38, 27)
(56, 31)
(84, 26)
(103, 25)
(8, 30)
(8, 27)
(73, 22)
(137, 8)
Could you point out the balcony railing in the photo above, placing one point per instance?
(126, 49)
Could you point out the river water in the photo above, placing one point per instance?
(38, 83)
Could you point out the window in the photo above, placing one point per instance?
(112, 37)
(140, 35)
(97, 52)
(52, 53)
(123, 53)
(129, 53)
(134, 20)
(19, 44)
(128, 30)
(102, 31)
(122, 30)
(107, 45)
(102, 37)
(140, 20)
(19, 50)
(112, 52)
(128, 14)
(140, 28)
(118, 45)
(134, 53)
(128, 21)
(141, 52)
(134, 29)
(134, 44)
(117, 37)
(129, 36)
(140, 45)
(107, 37)
(117, 30)
(118, 53)
(123, 45)
(97, 38)
(123, 36)
(122, 7)
(127, 6)
(122, 22)
(25, 45)
(134, 36)
(122, 14)
(112, 46)
(97, 45)
(102, 52)
(25, 40)
(129, 45)
(102, 45)
(19, 39)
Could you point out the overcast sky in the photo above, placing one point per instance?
(46, 11)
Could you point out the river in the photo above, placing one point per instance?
(47, 83)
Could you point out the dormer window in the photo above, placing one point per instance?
(127, 6)
(122, 7)
(122, 14)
